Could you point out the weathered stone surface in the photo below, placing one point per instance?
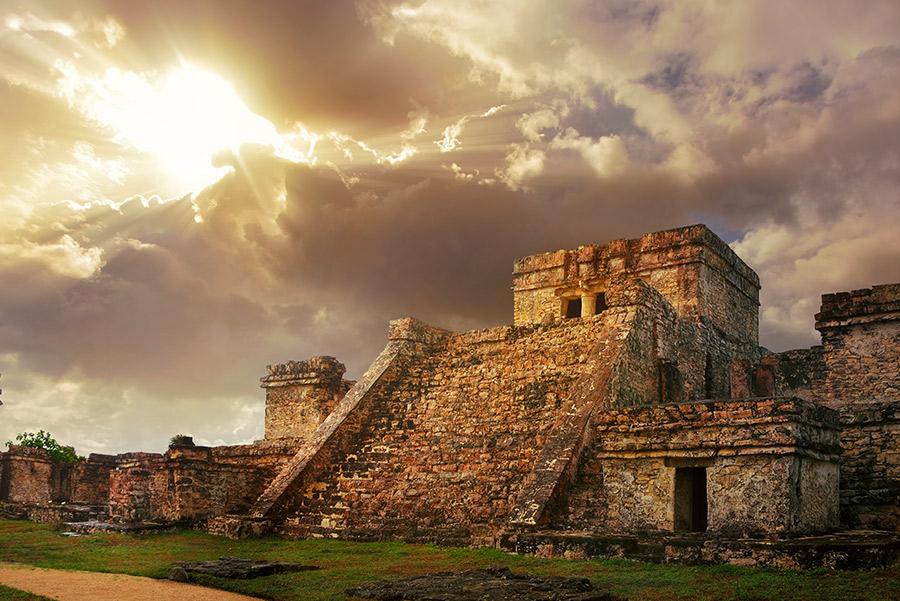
(857, 372)
(332, 437)
(630, 395)
(300, 395)
(234, 567)
(844, 551)
(754, 452)
(238, 526)
(493, 584)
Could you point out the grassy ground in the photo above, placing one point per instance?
(347, 564)
(11, 594)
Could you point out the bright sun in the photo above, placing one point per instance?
(181, 120)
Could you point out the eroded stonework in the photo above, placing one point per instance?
(630, 400)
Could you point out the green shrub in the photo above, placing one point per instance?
(43, 440)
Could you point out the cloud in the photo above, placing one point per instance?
(450, 139)
(605, 155)
(64, 257)
(129, 298)
(522, 163)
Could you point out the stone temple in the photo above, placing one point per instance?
(628, 411)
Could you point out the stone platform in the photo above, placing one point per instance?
(849, 550)
(492, 584)
(94, 526)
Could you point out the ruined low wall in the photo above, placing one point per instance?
(137, 487)
(191, 483)
(30, 476)
(771, 467)
(90, 480)
(870, 466)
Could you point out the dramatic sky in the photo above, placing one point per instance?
(190, 190)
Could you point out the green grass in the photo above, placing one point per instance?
(346, 564)
(11, 594)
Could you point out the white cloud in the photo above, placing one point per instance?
(605, 155)
(522, 163)
(450, 140)
(65, 256)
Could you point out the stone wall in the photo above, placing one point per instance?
(90, 480)
(855, 370)
(454, 435)
(189, 484)
(30, 476)
(691, 267)
(445, 450)
(861, 344)
(300, 395)
(870, 465)
(762, 457)
(138, 487)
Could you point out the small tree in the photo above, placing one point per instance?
(43, 440)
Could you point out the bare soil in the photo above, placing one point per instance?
(66, 585)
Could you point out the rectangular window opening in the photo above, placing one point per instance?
(691, 510)
(600, 305)
(573, 308)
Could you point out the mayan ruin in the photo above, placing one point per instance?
(628, 411)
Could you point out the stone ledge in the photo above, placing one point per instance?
(878, 303)
(841, 550)
(414, 330)
(316, 370)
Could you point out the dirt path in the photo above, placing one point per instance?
(92, 586)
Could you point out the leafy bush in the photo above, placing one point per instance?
(43, 440)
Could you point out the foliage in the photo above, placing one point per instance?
(347, 564)
(43, 440)
(181, 440)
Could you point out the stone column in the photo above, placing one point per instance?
(588, 305)
(300, 395)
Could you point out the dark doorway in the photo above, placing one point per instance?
(690, 499)
(573, 308)
(600, 306)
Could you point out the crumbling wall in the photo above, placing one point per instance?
(189, 484)
(90, 480)
(855, 370)
(754, 452)
(870, 465)
(138, 488)
(861, 344)
(213, 481)
(799, 372)
(300, 395)
(30, 475)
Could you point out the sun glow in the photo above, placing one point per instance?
(181, 120)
